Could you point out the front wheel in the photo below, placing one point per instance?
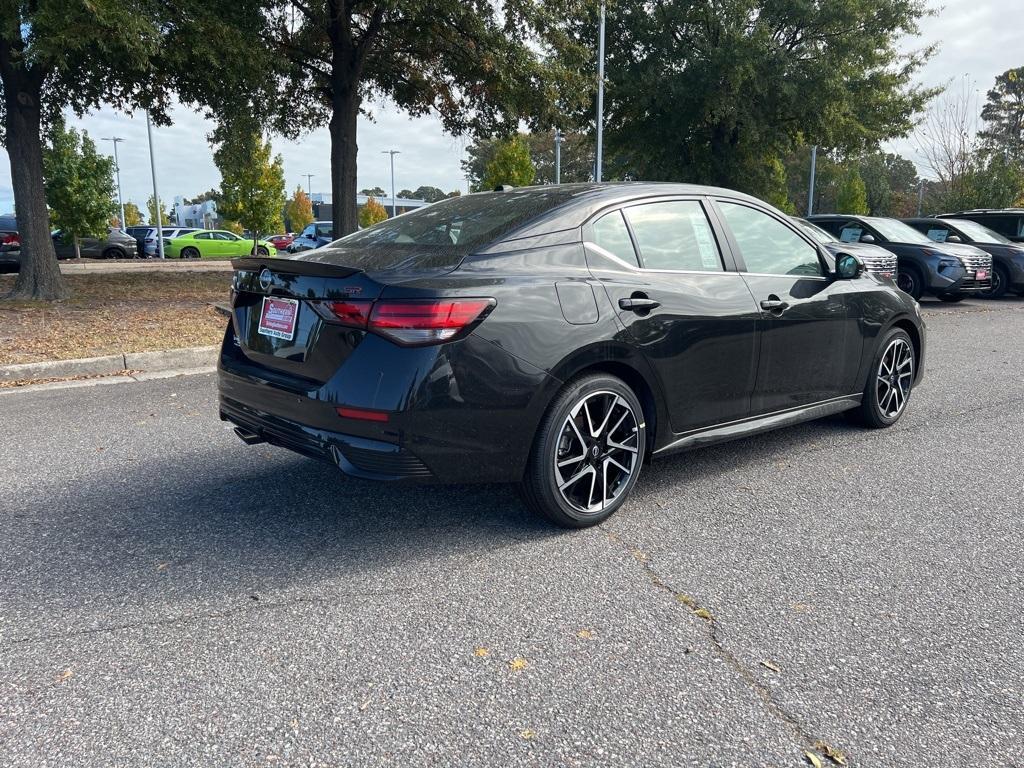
(1000, 282)
(890, 382)
(587, 453)
(261, 251)
(909, 280)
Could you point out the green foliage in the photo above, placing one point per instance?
(132, 214)
(232, 226)
(1003, 115)
(166, 214)
(252, 182)
(890, 184)
(430, 194)
(577, 157)
(852, 197)
(372, 213)
(79, 185)
(511, 164)
(373, 192)
(705, 92)
(775, 193)
(299, 211)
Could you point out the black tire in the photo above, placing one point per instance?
(1000, 282)
(910, 281)
(950, 298)
(626, 439)
(114, 253)
(189, 252)
(876, 407)
(261, 251)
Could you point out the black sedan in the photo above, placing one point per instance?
(1007, 256)
(559, 337)
(948, 271)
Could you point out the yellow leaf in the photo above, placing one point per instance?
(585, 634)
(686, 600)
(481, 652)
(65, 675)
(704, 613)
(813, 759)
(640, 555)
(518, 664)
(526, 733)
(833, 754)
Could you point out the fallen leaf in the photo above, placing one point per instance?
(771, 665)
(833, 754)
(800, 607)
(813, 759)
(585, 634)
(526, 733)
(703, 613)
(518, 664)
(640, 555)
(66, 675)
(686, 600)
(481, 652)
(163, 566)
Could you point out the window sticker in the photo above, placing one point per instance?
(705, 244)
(938, 235)
(851, 234)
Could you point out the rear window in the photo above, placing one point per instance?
(439, 235)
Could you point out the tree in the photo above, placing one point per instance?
(714, 92)
(373, 192)
(132, 214)
(232, 226)
(473, 63)
(948, 141)
(852, 197)
(79, 185)
(252, 182)
(1003, 115)
(166, 215)
(299, 211)
(56, 54)
(890, 184)
(577, 157)
(372, 213)
(430, 194)
(406, 193)
(511, 164)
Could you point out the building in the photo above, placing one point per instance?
(323, 210)
(201, 215)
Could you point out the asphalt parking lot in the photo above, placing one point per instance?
(170, 596)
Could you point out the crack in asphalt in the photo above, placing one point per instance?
(809, 741)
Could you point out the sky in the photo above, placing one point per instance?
(978, 39)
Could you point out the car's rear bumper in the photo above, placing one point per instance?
(461, 412)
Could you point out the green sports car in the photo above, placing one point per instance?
(214, 244)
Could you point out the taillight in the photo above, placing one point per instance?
(351, 313)
(432, 321)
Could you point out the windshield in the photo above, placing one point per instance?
(896, 231)
(814, 231)
(461, 222)
(978, 232)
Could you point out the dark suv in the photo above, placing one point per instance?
(559, 337)
(948, 271)
(1007, 256)
(1008, 222)
(315, 235)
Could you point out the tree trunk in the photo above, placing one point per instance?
(345, 110)
(39, 276)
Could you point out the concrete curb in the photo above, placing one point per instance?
(162, 360)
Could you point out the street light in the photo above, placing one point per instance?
(600, 96)
(810, 190)
(558, 156)
(156, 194)
(117, 170)
(309, 184)
(392, 152)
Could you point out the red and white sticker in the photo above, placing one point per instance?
(278, 318)
(982, 275)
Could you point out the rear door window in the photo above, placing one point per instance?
(674, 235)
(611, 234)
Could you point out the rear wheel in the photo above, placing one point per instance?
(587, 453)
(1000, 282)
(909, 280)
(114, 253)
(951, 298)
(889, 382)
(190, 253)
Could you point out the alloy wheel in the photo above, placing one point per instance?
(597, 450)
(894, 378)
(905, 282)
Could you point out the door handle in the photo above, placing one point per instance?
(639, 305)
(774, 304)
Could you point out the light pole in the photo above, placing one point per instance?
(810, 191)
(117, 170)
(156, 194)
(309, 184)
(558, 156)
(392, 152)
(920, 196)
(600, 96)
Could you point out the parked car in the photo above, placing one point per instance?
(280, 242)
(316, 235)
(875, 258)
(147, 237)
(213, 243)
(1007, 256)
(10, 244)
(116, 245)
(1008, 222)
(558, 337)
(948, 271)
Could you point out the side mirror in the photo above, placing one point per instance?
(954, 239)
(848, 266)
(867, 238)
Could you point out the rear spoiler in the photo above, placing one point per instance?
(291, 266)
